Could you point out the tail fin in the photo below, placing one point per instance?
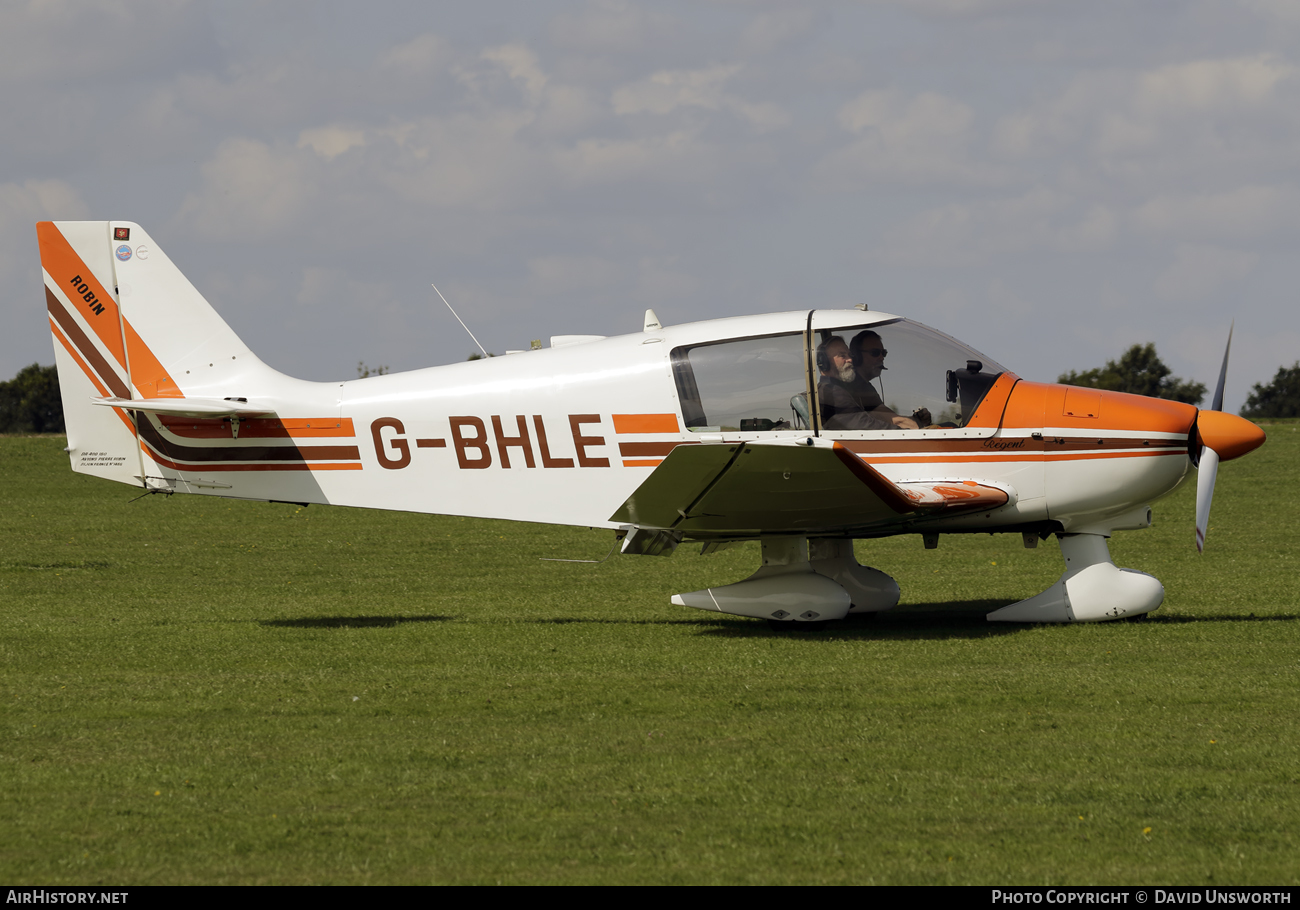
(128, 325)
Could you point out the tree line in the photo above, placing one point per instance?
(30, 402)
(1140, 371)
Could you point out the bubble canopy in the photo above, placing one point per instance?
(793, 381)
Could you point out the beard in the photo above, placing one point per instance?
(848, 374)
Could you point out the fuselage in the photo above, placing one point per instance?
(804, 429)
(566, 434)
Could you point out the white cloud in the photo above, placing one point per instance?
(613, 26)
(39, 200)
(331, 141)
(249, 189)
(1199, 270)
(419, 57)
(66, 41)
(26, 337)
(1193, 113)
(520, 64)
(966, 234)
(21, 206)
(966, 8)
(1250, 211)
(472, 160)
(769, 30)
(1208, 86)
(670, 90)
(915, 138)
(671, 158)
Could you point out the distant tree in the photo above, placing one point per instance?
(477, 356)
(1280, 398)
(1140, 371)
(364, 371)
(30, 402)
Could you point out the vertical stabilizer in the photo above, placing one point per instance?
(177, 343)
(128, 325)
(89, 348)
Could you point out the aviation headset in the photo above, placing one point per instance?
(822, 358)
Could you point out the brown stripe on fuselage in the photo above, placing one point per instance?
(210, 454)
(647, 449)
(1004, 446)
(286, 466)
(107, 373)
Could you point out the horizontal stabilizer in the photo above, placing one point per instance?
(797, 486)
(187, 407)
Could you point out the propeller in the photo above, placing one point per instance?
(1223, 437)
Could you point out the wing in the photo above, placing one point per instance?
(786, 486)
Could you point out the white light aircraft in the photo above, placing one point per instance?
(747, 428)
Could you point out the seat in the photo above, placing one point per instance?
(799, 404)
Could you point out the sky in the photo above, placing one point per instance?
(1049, 181)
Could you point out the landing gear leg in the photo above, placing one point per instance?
(871, 590)
(1092, 589)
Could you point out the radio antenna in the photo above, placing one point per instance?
(458, 319)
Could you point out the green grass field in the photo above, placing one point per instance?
(201, 691)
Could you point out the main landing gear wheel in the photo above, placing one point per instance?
(785, 625)
(800, 585)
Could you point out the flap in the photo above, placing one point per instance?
(786, 486)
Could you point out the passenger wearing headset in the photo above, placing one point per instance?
(847, 398)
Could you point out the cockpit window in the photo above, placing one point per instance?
(749, 384)
(909, 370)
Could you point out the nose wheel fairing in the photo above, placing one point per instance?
(1092, 589)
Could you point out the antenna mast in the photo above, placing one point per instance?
(458, 319)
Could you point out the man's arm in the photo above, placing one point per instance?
(841, 411)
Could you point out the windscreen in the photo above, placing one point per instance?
(900, 368)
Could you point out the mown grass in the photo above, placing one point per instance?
(202, 691)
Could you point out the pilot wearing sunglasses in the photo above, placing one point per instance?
(848, 399)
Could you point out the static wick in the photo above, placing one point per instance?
(458, 319)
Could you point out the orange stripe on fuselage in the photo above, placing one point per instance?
(645, 423)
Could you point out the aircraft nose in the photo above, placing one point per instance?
(1228, 435)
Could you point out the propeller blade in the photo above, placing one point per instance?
(1208, 467)
(1205, 474)
(1217, 404)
